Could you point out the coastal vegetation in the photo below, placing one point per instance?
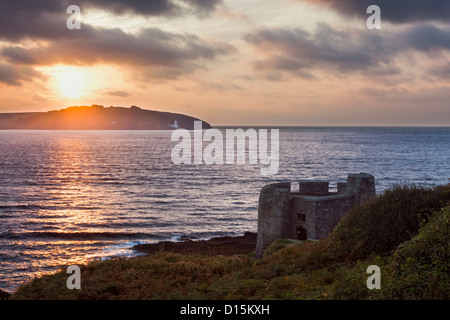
(405, 231)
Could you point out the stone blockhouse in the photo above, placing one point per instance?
(309, 214)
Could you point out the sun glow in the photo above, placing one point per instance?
(70, 83)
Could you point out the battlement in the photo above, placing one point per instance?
(313, 187)
(312, 212)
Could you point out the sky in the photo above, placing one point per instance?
(232, 62)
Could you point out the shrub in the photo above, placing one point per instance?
(427, 258)
(419, 268)
(379, 225)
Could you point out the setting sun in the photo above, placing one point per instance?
(70, 84)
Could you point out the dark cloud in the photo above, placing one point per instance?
(167, 54)
(152, 7)
(117, 93)
(203, 7)
(15, 75)
(150, 46)
(19, 54)
(17, 26)
(9, 75)
(46, 19)
(397, 11)
(38, 30)
(140, 7)
(425, 37)
(297, 52)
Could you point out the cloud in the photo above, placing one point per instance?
(425, 37)
(153, 7)
(116, 93)
(19, 54)
(39, 98)
(15, 75)
(396, 11)
(166, 54)
(233, 15)
(203, 7)
(298, 52)
(140, 7)
(40, 36)
(46, 19)
(151, 46)
(441, 71)
(9, 75)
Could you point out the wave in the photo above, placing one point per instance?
(78, 235)
(47, 207)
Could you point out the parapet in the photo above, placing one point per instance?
(362, 185)
(313, 188)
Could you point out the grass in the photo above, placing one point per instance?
(404, 231)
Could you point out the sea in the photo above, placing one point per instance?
(70, 197)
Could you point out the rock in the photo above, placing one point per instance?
(4, 295)
(226, 246)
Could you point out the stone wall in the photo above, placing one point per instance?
(273, 215)
(361, 185)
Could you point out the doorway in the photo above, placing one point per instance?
(302, 234)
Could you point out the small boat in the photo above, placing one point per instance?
(174, 125)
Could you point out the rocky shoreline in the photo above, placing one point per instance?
(225, 246)
(4, 295)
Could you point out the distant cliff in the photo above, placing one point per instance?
(98, 118)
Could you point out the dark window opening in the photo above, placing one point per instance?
(302, 234)
(301, 217)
